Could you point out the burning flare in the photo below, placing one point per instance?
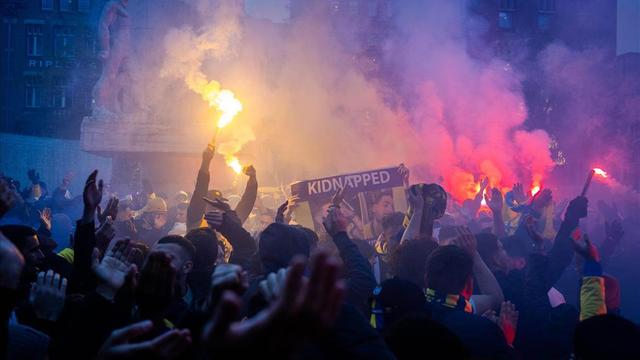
(234, 164)
(535, 190)
(601, 172)
(229, 106)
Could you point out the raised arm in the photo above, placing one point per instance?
(416, 202)
(244, 207)
(197, 206)
(360, 279)
(496, 203)
(492, 296)
(561, 255)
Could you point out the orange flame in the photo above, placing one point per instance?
(234, 164)
(535, 190)
(601, 172)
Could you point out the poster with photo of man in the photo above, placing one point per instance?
(369, 196)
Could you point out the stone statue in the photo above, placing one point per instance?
(114, 37)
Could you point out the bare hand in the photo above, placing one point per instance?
(273, 285)
(495, 202)
(404, 173)
(542, 199)
(47, 295)
(335, 222)
(518, 193)
(229, 277)
(303, 308)
(114, 267)
(508, 321)
(169, 345)
(577, 209)
(338, 197)
(466, 240)
(207, 154)
(111, 210)
(414, 198)
(214, 219)
(45, 218)
(250, 171)
(586, 249)
(92, 194)
(483, 184)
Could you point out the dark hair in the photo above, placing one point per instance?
(205, 242)
(18, 233)
(311, 235)
(606, 337)
(185, 244)
(279, 243)
(398, 298)
(410, 258)
(448, 269)
(393, 220)
(487, 247)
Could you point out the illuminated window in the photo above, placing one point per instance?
(34, 40)
(34, 94)
(64, 41)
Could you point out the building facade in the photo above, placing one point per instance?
(48, 65)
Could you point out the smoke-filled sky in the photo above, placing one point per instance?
(311, 109)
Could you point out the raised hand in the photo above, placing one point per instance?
(250, 171)
(577, 209)
(272, 286)
(466, 240)
(114, 268)
(280, 213)
(335, 222)
(586, 249)
(495, 201)
(508, 321)
(207, 155)
(303, 308)
(518, 193)
(484, 184)
(111, 210)
(542, 199)
(169, 345)
(338, 197)
(404, 173)
(228, 277)
(45, 218)
(47, 295)
(415, 198)
(92, 196)
(214, 219)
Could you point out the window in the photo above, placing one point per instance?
(34, 40)
(84, 5)
(47, 4)
(64, 45)
(66, 5)
(505, 20)
(60, 94)
(34, 93)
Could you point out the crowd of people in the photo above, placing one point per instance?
(113, 276)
